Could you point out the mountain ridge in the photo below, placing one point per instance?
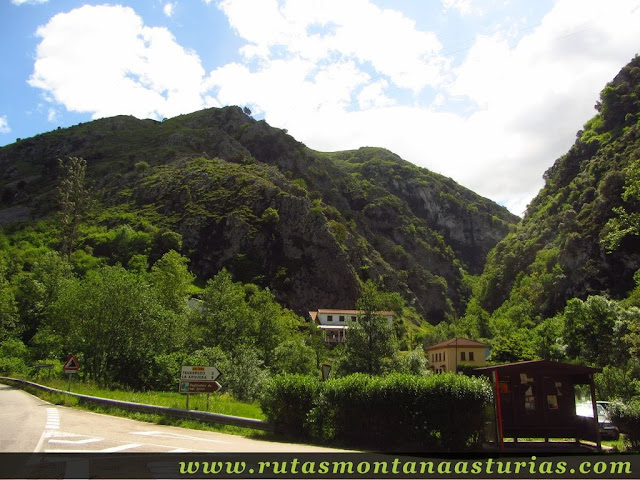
(250, 198)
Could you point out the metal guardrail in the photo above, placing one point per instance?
(154, 409)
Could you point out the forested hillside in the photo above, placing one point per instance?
(241, 195)
(109, 227)
(563, 284)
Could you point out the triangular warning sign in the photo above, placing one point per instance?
(71, 363)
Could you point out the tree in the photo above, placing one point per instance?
(172, 281)
(548, 337)
(515, 346)
(8, 308)
(627, 219)
(370, 340)
(274, 324)
(38, 289)
(112, 321)
(73, 199)
(594, 331)
(294, 357)
(226, 318)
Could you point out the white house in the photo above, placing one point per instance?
(334, 323)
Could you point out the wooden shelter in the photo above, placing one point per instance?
(537, 399)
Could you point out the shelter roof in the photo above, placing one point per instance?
(541, 365)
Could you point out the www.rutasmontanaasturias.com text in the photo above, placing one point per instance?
(295, 467)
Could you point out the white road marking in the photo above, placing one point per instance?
(53, 419)
(128, 446)
(78, 442)
(119, 448)
(50, 428)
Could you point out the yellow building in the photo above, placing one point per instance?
(446, 356)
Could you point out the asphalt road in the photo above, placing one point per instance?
(30, 424)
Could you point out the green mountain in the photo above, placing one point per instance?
(579, 236)
(232, 192)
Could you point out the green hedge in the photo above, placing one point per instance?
(286, 400)
(397, 412)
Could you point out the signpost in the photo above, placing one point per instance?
(199, 374)
(70, 367)
(326, 369)
(199, 387)
(199, 379)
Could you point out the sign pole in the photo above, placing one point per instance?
(187, 401)
(69, 386)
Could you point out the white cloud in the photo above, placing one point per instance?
(462, 6)
(28, 2)
(4, 124)
(525, 96)
(331, 73)
(53, 115)
(533, 96)
(386, 40)
(104, 60)
(169, 9)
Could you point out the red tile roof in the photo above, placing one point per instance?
(459, 342)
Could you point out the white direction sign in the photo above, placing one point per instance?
(199, 374)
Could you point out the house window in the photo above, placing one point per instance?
(463, 356)
(354, 318)
(471, 356)
(342, 318)
(329, 318)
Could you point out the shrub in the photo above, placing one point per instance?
(244, 375)
(627, 418)
(286, 400)
(13, 356)
(141, 166)
(403, 412)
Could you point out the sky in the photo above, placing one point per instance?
(487, 92)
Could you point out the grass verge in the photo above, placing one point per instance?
(218, 403)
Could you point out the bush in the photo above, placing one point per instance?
(286, 400)
(403, 412)
(13, 357)
(244, 375)
(627, 418)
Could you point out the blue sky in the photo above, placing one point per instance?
(487, 92)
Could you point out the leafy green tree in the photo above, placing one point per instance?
(549, 339)
(592, 329)
(112, 321)
(14, 356)
(73, 199)
(516, 346)
(8, 308)
(627, 219)
(38, 289)
(370, 341)
(244, 375)
(172, 281)
(294, 357)
(226, 318)
(274, 324)
(414, 362)
(618, 381)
